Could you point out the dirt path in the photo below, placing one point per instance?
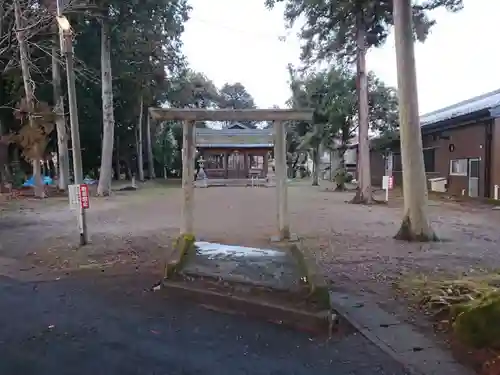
(127, 227)
(353, 244)
(134, 231)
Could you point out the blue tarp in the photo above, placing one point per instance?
(46, 181)
(89, 181)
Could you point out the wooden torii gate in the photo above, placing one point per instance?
(190, 116)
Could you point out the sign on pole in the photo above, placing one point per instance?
(79, 196)
(390, 161)
(74, 196)
(79, 201)
(387, 184)
(84, 196)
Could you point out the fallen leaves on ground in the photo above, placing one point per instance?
(443, 299)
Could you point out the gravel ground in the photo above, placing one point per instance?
(353, 244)
(133, 231)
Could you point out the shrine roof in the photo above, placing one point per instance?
(235, 145)
(234, 131)
(234, 137)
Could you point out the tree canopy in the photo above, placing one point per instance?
(147, 65)
(330, 26)
(146, 55)
(235, 96)
(331, 93)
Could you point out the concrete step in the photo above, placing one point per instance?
(233, 182)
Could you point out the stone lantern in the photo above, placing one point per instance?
(201, 175)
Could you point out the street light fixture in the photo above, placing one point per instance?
(63, 23)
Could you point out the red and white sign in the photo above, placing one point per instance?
(387, 182)
(84, 196)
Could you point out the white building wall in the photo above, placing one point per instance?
(350, 156)
(328, 159)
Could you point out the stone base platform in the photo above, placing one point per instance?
(263, 283)
(234, 182)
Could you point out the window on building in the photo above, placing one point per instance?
(215, 161)
(256, 161)
(458, 167)
(429, 159)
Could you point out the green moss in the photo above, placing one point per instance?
(321, 295)
(182, 245)
(405, 233)
(301, 262)
(318, 288)
(477, 323)
(188, 237)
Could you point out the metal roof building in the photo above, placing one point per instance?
(482, 106)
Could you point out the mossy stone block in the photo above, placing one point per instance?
(182, 245)
(478, 323)
(318, 287)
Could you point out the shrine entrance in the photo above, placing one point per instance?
(272, 284)
(238, 163)
(236, 167)
(235, 152)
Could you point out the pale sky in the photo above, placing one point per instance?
(238, 41)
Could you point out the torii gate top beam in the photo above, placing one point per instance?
(181, 114)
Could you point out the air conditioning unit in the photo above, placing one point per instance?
(438, 184)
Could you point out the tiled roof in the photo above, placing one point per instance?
(206, 137)
(235, 125)
(241, 132)
(235, 145)
(486, 101)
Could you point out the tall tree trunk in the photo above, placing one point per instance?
(3, 147)
(340, 175)
(108, 129)
(30, 99)
(313, 165)
(331, 156)
(364, 193)
(316, 161)
(117, 160)
(415, 225)
(62, 134)
(4, 157)
(140, 156)
(128, 170)
(151, 165)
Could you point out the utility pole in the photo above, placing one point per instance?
(66, 37)
(151, 165)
